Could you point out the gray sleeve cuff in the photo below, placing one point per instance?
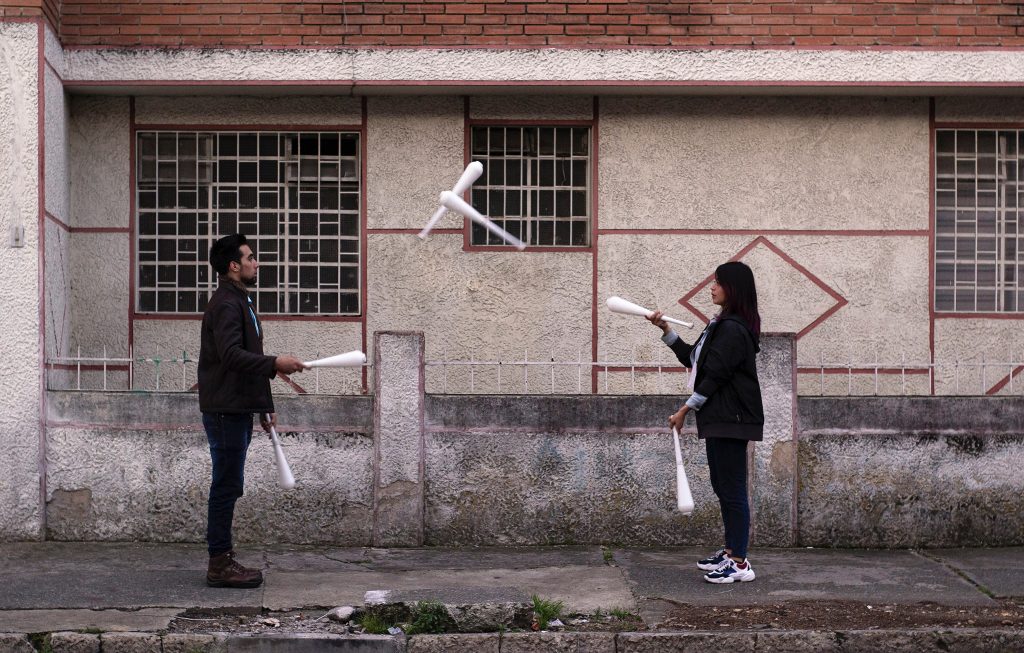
(670, 337)
(696, 401)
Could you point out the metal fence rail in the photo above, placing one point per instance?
(549, 375)
(176, 373)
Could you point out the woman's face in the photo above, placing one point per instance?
(718, 294)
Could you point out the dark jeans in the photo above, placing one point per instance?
(727, 461)
(229, 437)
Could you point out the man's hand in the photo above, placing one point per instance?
(678, 418)
(267, 420)
(288, 364)
(658, 322)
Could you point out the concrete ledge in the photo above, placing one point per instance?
(971, 415)
(155, 410)
(549, 414)
(310, 643)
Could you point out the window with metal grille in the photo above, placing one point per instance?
(536, 184)
(978, 240)
(295, 195)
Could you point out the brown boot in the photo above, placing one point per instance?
(225, 572)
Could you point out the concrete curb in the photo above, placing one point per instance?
(928, 640)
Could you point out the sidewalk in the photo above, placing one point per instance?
(54, 586)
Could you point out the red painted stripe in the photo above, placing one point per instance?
(363, 239)
(156, 317)
(41, 273)
(774, 232)
(978, 316)
(594, 235)
(292, 384)
(1002, 383)
(100, 230)
(91, 367)
(57, 221)
(414, 232)
(352, 86)
(236, 127)
(914, 371)
(931, 236)
(132, 254)
(977, 125)
(596, 47)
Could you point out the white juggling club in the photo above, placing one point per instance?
(284, 472)
(459, 205)
(348, 359)
(469, 175)
(684, 500)
(620, 305)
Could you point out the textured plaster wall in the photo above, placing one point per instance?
(19, 317)
(979, 109)
(127, 466)
(99, 293)
(100, 134)
(308, 340)
(58, 272)
(56, 137)
(884, 279)
(775, 163)
(348, 67)
(505, 486)
(414, 147)
(58, 292)
(963, 345)
(242, 110)
(491, 306)
(159, 486)
(899, 472)
(531, 107)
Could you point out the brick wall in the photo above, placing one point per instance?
(494, 23)
(32, 8)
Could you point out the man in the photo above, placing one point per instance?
(234, 383)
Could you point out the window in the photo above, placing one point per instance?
(978, 241)
(536, 184)
(295, 195)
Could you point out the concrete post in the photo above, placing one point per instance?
(773, 468)
(398, 438)
(22, 437)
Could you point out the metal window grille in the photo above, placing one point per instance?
(536, 184)
(978, 240)
(294, 194)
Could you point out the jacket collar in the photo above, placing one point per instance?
(236, 286)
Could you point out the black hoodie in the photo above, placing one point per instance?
(727, 376)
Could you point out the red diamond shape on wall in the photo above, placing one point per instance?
(819, 299)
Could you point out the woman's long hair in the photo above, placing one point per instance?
(737, 280)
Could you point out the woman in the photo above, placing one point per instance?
(727, 401)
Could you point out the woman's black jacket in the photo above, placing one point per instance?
(727, 376)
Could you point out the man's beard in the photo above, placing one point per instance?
(251, 281)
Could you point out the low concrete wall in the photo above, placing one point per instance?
(911, 471)
(496, 469)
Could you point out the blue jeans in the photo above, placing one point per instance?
(727, 462)
(229, 437)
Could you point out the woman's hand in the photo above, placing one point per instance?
(678, 418)
(656, 320)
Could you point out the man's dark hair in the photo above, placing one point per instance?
(226, 250)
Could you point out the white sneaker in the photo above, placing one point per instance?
(731, 572)
(713, 561)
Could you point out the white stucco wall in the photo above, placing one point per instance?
(414, 147)
(531, 107)
(19, 319)
(99, 142)
(489, 305)
(773, 163)
(346, 68)
(99, 292)
(241, 110)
